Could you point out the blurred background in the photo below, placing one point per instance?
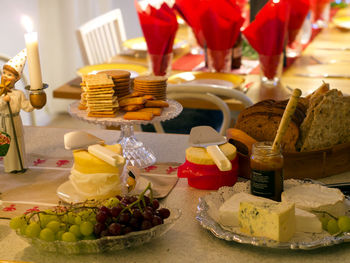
(56, 22)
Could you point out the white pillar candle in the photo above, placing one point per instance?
(31, 39)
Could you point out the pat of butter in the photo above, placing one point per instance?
(106, 155)
(219, 158)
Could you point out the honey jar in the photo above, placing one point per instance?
(266, 171)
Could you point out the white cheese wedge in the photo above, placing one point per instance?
(315, 197)
(106, 155)
(228, 213)
(265, 219)
(307, 222)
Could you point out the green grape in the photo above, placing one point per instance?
(44, 220)
(69, 237)
(17, 222)
(111, 202)
(344, 223)
(23, 229)
(59, 234)
(86, 228)
(71, 218)
(33, 230)
(332, 226)
(324, 220)
(54, 226)
(77, 220)
(75, 229)
(47, 234)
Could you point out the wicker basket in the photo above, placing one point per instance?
(313, 164)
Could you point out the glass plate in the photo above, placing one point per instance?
(106, 244)
(215, 78)
(207, 214)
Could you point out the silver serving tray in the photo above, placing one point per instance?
(207, 212)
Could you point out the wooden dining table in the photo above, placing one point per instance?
(186, 241)
(325, 52)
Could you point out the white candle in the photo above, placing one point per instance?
(31, 39)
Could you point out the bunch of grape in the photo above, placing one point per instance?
(129, 214)
(334, 225)
(91, 220)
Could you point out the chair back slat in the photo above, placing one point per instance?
(102, 37)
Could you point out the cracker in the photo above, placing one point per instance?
(155, 111)
(132, 107)
(156, 104)
(133, 100)
(135, 115)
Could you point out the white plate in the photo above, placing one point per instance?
(67, 193)
(207, 212)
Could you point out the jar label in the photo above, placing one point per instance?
(263, 183)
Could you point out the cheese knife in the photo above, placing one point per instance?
(78, 140)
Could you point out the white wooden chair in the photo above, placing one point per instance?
(102, 37)
(21, 84)
(210, 93)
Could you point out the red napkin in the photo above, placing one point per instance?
(188, 10)
(317, 7)
(298, 13)
(159, 27)
(267, 34)
(221, 21)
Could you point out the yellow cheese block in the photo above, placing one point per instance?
(264, 219)
(199, 155)
(86, 163)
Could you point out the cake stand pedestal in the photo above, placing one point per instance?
(134, 151)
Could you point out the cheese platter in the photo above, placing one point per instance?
(211, 218)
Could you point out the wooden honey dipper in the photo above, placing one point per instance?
(288, 112)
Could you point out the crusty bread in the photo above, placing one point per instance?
(261, 122)
(263, 127)
(327, 122)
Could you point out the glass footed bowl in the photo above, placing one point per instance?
(108, 243)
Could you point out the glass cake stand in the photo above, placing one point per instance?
(134, 151)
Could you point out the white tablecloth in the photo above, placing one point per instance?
(187, 241)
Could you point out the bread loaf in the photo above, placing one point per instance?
(327, 122)
(261, 122)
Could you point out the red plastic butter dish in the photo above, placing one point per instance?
(208, 177)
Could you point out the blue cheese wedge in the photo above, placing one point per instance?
(228, 213)
(275, 221)
(315, 197)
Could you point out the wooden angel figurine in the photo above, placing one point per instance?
(12, 101)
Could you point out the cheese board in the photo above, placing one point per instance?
(208, 217)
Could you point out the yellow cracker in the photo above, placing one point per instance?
(155, 111)
(130, 101)
(150, 79)
(156, 104)
(132, 107)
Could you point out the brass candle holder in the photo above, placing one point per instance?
(37, 97)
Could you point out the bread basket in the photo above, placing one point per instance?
(313, 164)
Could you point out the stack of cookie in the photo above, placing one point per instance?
(121, 79)
(151, 85)
(101, 100)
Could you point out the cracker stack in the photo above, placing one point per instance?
(101, 100)
(151, 85)
(121, 79)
